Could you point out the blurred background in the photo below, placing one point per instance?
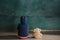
(44, 14)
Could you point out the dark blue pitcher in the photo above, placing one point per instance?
(23, 28)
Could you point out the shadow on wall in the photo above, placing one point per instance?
(7, 12)
(7, 23)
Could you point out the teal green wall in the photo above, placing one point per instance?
(44, 14)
